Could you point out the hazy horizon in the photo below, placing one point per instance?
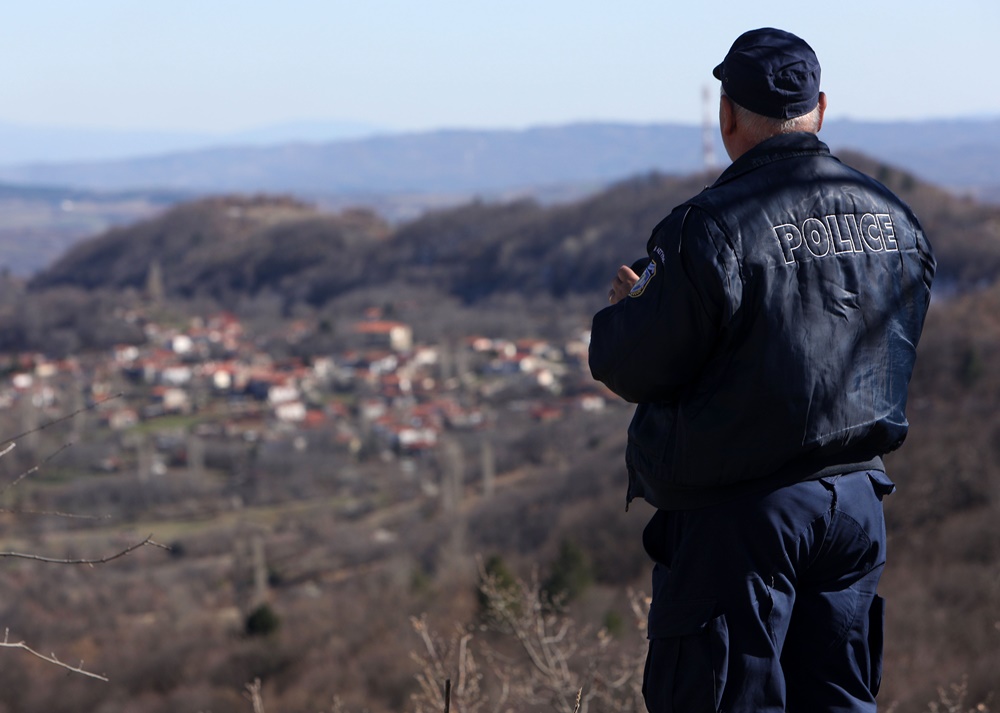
(30, 144)
(229, 68)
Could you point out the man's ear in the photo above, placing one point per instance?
(727, 117)
(822, 110)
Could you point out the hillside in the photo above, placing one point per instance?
(226, 248)
(223, 247)
(345, 538)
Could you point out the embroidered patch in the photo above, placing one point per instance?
(647, 275)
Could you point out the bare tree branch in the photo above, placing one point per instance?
(47, 424)
(55, 513)
(8, 446)
(99, 560)
(33, 469)
(254, 695)
(435, 665)
(51, 658)
(569, 670)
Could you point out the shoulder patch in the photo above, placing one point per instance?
(647, 275)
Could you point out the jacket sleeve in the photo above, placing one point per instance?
(650, 345)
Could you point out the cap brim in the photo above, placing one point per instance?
(717, 72)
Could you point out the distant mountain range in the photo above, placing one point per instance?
(961, 155)
(22, 144)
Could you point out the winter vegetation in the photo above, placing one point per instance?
(385, 478)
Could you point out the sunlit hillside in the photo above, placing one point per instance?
(343, 427)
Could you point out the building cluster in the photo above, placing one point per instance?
(383, 389)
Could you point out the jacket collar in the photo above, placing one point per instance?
(776, 148)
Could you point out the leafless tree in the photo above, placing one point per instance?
(7, 643)
(559, 666)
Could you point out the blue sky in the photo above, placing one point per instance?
(225, 66)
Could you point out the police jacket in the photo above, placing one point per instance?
(772, 334)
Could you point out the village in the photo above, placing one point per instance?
(383, 393)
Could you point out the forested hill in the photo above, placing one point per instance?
(228, 248)
(225, 248)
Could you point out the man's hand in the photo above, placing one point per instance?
(625, 278)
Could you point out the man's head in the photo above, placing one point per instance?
(770, 85)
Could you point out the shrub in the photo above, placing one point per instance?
(571, 574)
(262, 621)
(498, 588)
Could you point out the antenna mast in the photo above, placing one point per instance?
(707, 130)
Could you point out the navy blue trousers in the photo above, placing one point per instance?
(768, 603)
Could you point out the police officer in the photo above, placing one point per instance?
(768, 340)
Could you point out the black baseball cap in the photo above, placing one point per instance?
(771, 72)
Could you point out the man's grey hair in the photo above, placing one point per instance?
(760, 127)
